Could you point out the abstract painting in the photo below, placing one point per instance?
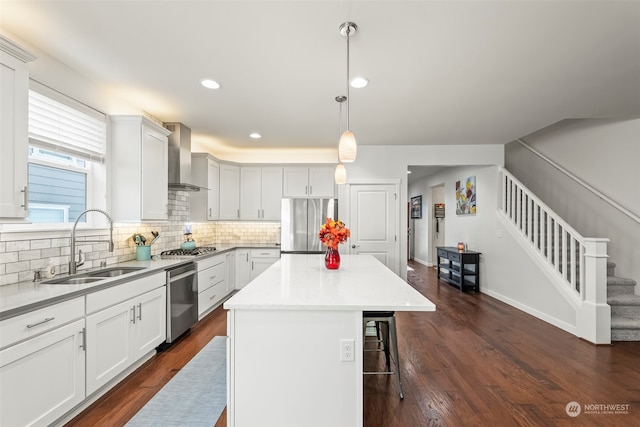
(466, 196)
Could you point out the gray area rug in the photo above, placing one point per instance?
(195, 396)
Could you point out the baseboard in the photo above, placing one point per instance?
(425, 263)
(572, 329)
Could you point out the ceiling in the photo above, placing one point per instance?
(440, 72)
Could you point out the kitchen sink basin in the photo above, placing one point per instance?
(92, 277)
(114, 271)
(73, 280)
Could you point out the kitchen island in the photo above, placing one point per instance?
(290, 334)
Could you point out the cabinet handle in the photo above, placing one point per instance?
(306, 188)
(247, 256)
(262, 213)
(212, 297)
(209, 212)
(83, 344)
(258, 213)
(25, 190)
(212, 277)
(311, 189)
(133, 311)
(139, 311)
(238, 214)
(252, 265)
(48, 319)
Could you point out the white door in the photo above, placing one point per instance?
(154, 185)
(250, 193)
(151, 321)
(109, 343)
(43, 377)
(373, 222)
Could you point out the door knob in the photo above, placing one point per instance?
(355, 246)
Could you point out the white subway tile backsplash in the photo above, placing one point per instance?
(20, 258)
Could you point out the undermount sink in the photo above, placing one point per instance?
(73, 280)
(114, 271)
(94, 276)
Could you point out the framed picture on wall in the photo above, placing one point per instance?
(416, 207)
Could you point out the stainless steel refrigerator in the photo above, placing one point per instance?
(301, 221)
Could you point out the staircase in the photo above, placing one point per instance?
(625, 306)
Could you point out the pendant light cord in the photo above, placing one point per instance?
(348, 96)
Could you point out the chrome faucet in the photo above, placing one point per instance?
(73, 265)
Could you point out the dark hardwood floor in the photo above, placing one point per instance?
(473, 362)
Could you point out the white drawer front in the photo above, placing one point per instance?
(102, 299)
(265, 253)
(211, 297)
(210, 262)
(38, 321)
(211, 276)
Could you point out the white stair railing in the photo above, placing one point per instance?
(578, 263)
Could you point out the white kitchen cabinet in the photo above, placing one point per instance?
(243, 267)
(139, 170)
(261, 259)
(14, 144)
(204, 205)
(120, 335)
(212, 286)
(260, 193)
(230, 263)
(42, 378)
(229, 192)
(316, 181)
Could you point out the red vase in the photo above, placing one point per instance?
(332, 259)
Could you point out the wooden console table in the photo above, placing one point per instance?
(460, 268)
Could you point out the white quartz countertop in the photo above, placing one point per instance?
(301, 282)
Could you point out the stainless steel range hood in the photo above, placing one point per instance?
(180, 157)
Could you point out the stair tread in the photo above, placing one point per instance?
(615, 280)
(625, 322)
(624, 299)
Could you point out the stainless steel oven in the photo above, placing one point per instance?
(182, 300)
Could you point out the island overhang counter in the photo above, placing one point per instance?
(287, 332)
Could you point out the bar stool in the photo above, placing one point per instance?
(386, 334)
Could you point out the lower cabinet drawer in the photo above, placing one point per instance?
(442, 253)
(211, 276)
(36, 322)
(211, 296)
(454, 257)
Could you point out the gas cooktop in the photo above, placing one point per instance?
(201, 250)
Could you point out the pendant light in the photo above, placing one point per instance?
(347, 146)
(341, 173)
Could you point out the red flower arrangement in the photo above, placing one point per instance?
(333, 233)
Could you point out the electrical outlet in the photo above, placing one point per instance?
(347, 350)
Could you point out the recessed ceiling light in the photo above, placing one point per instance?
(408, 171)
(359, 82)
(210, 84)
(255, 135)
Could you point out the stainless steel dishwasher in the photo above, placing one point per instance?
(182, 300)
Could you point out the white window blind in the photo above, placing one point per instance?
(64, 123)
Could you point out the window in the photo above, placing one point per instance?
(66, 157)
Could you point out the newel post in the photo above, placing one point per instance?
(594, 317)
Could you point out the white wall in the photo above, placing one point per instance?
(605, 154)
(379, 163)
(506, 270)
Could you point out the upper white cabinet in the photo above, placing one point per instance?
(205, 173)
(229, 191)
(14, 148)
(260, 193)
(139, 173)
(317, 181)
